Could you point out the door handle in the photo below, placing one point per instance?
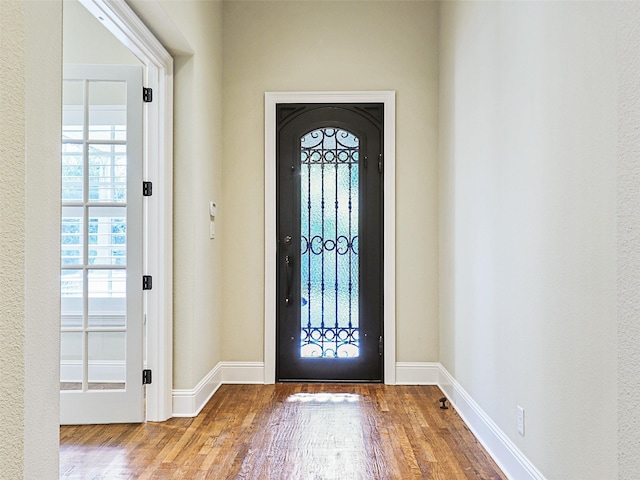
(287, 261)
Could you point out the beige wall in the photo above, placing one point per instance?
(198, 276)
(528, 233)
(303, 46)
(628, 241)
(30, 59)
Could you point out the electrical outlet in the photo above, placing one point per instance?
(521, 420)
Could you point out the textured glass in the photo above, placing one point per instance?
(107, 236)
(107, 303)
(107, 173)
(329, 233)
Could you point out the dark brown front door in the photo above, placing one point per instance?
(330, 242)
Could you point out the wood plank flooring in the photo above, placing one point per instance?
(288, 432)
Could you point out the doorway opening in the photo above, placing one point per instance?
(157, 66)
(276, 286)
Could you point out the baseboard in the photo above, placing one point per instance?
(503, 451)
(417, 373)
(242, 372)
(189, 403)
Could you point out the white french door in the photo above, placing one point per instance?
(101, 335)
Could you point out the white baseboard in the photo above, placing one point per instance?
(188, 403)
(242, 372)
(417, 373)
(503, 451)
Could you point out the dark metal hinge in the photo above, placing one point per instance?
(365, 162)
(380, 346)
(147, 282)
(147, 95)
(147, 189)
(146, 377)
(380, 163)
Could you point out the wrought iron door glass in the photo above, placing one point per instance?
(329, 270)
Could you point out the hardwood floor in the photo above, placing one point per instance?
(286, 432)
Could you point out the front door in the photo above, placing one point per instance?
(330, 242)
(101, 337)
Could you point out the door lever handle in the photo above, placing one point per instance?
(287, 261)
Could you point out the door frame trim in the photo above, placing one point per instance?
(271, 99)
(125, 25)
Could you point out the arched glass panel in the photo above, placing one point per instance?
(329, 249)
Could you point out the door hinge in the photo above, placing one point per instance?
(380, 163)
(147, 282)
(147, 189)
(365, 162)
(380, 346)
(147, 95)
(146, 377)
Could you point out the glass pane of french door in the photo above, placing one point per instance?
(101, 228)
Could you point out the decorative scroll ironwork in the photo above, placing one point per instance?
(329, 244)
(329, 146)
(342, 245)
(330, 342)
